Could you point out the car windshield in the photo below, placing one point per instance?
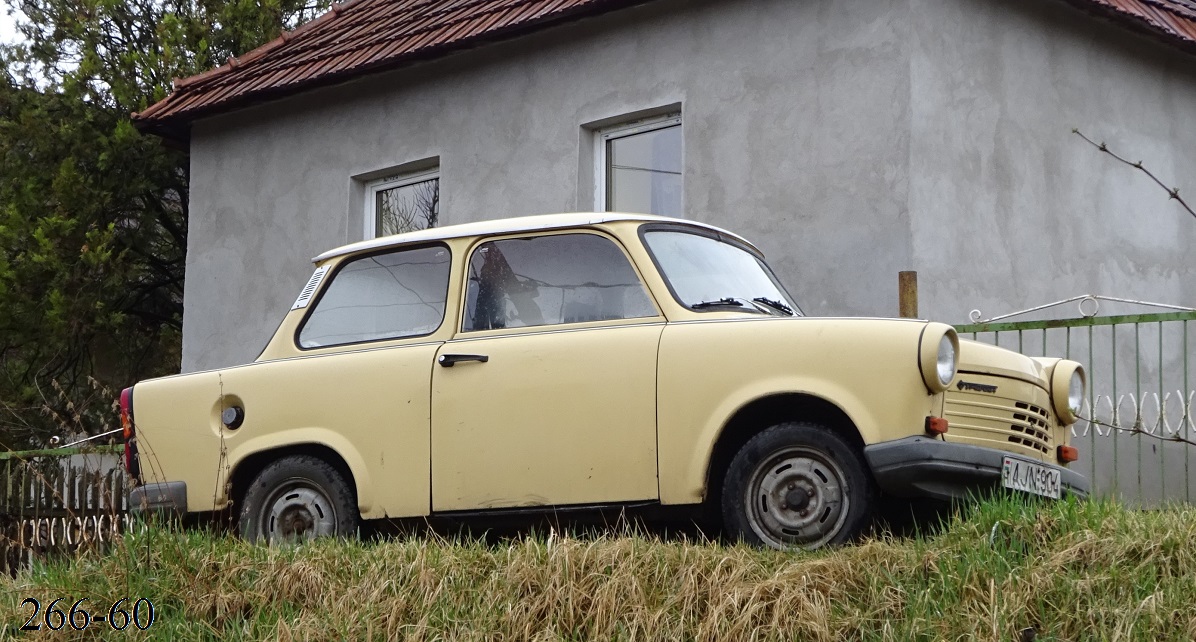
(705, 273)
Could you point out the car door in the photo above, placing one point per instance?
(547, 395)
(364, 386)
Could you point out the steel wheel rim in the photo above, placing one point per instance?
(797, 497)
(298, 510)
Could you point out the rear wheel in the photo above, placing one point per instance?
(298, 498)
(797, 485)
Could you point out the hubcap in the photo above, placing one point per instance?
(298, 510)
(797, 497)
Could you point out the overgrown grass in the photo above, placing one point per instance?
(1068, 570)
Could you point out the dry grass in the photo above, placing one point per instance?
(1072, 571)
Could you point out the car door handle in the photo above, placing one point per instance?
(450, 360)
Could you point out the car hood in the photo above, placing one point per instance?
(982, 358)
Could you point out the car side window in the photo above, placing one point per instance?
(544, 280)
(382, 296)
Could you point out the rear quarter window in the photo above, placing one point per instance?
(390, 295)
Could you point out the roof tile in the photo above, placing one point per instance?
(353, 36)
(365, 35)
(1173, 20)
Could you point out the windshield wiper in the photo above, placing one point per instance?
(774, 304)
(718, 303)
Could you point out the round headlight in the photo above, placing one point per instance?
(1075, 392)
(1067, 390)
(938, 356)
(946, 360)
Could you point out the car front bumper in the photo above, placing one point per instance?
(925, 467)
(159, 497)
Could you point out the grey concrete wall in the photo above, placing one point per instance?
(795, 128)
(851, 139)
(1009, 208)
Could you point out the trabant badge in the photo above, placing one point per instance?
(976, 387)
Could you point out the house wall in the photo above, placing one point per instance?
(814, 127)
(1012, 210)
(1009, 208)
(850, 139)
(795, 128)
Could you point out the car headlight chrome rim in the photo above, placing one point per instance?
(938, 356)
(1068, 384)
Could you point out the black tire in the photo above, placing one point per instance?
(797, 485)
(298, 497)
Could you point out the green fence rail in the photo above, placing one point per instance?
(10, 455)
(1137, 433)
(61, 482)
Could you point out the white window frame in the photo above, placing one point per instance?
(370, 227)
(607, 134)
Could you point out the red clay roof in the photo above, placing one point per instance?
(360, 36)
(354, 38)
(1172, 20)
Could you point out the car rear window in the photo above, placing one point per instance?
(391, 295)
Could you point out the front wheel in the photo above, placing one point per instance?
(797, 485)
(298, 498)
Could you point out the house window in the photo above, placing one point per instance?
(403, 203)
(639, 167)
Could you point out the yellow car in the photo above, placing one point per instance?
(587, 361)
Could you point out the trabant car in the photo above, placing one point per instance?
(591, 360)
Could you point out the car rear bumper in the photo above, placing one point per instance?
(925, 467)
(159, 497)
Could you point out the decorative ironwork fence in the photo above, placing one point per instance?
(59, 500)
(1137, 434)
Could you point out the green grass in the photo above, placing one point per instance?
(1069, 570)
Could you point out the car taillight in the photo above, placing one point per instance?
(132, 464)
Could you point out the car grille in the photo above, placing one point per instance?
(1031, 428)
(991, 418)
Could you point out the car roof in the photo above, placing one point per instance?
(519, 224)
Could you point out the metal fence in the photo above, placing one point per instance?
(1136, 437)
(59, 500)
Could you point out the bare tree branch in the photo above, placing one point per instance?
(1173, 192)
(410, 207)
(1136, 429)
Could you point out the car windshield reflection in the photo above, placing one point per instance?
(705, 273)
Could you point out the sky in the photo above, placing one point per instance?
(8, 32)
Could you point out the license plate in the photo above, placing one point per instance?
(1030, 477)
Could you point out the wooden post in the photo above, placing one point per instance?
(907, 294)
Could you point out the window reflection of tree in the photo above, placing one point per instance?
(497, 284)
(500, 296)
(409, 208)
(391, 270)
(356, 289)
